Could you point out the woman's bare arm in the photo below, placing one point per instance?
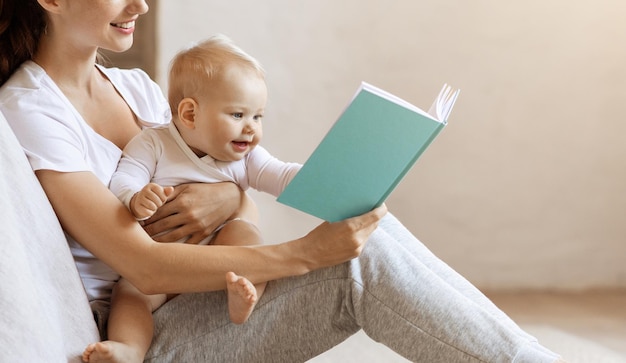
(99, 221)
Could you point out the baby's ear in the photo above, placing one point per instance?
(187, 112)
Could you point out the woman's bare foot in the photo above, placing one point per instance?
(110, 352)
(242, 297)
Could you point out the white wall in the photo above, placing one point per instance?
(526, 186)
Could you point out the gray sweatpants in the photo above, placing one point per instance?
(397, 291)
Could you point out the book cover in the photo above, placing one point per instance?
(365, 154)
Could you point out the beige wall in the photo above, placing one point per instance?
(526, 186)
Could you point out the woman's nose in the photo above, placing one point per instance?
(138, 7)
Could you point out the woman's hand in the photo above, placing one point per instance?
(333, 243)
(194, 210)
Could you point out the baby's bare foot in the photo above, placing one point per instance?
(110, 352)
(242, 297)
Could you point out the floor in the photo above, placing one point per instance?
(598, 317)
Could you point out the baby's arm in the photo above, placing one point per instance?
(146, 201)
(269, 174)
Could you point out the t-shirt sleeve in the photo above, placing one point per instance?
(268, 174)
(45, 132)
(136, 167)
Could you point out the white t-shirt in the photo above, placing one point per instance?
(56, 137)
(160, 155)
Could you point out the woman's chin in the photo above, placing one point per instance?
(120, 47)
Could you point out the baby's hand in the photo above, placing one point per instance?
(146, 202)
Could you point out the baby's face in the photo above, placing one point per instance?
(228, 119)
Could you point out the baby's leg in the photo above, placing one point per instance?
(242, 294)
(130, 326)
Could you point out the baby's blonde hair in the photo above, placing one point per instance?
(192, 69)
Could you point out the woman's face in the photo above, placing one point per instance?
(107, 24)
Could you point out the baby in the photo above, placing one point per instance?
(217, 94)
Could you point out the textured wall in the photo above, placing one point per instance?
(526, 186)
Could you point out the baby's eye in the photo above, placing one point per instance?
(237, 115)
(258, 117)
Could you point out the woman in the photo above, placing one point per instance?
(73, 118)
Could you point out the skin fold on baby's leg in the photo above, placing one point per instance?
(242, 294)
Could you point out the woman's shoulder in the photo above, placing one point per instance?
(141, 93)
(31, 92)
(27, 80)
(132, 78)
(133, 83)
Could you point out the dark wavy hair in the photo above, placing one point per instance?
(22, 22)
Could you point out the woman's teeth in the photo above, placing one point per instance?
(127, 25)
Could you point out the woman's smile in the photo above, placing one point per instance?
(125, 25)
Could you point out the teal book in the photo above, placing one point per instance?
(365, 154)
